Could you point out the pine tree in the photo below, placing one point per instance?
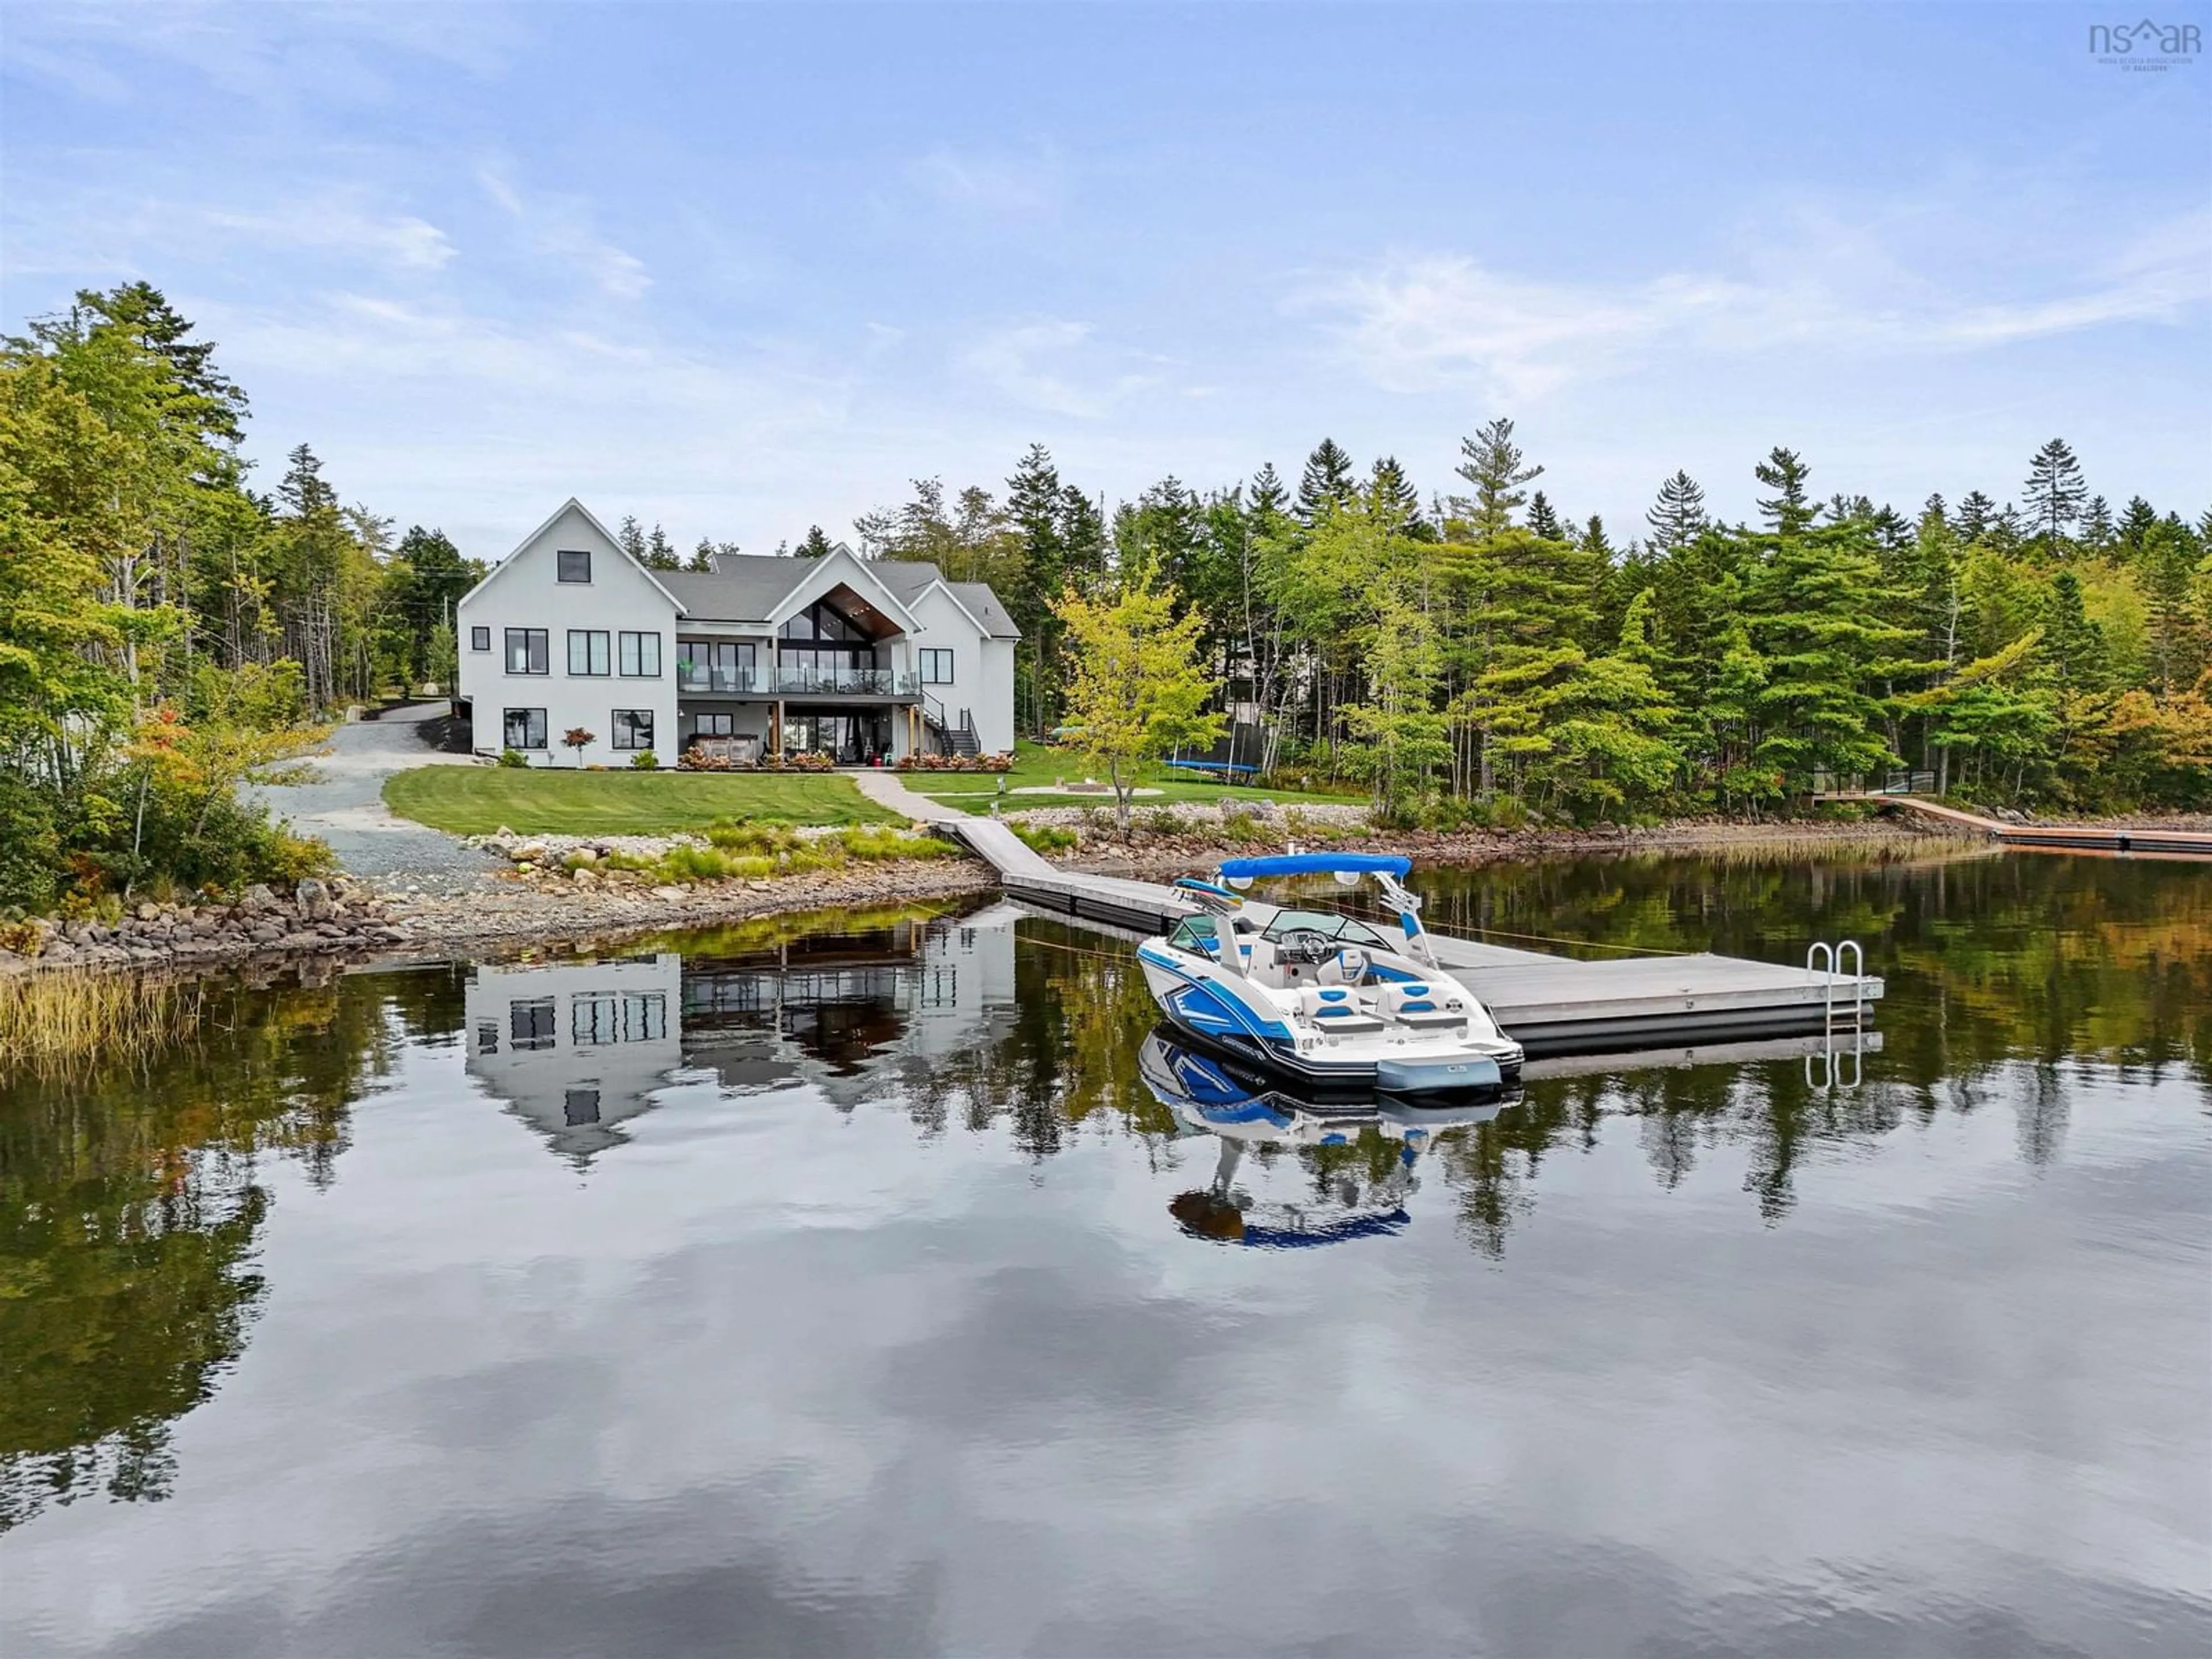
(2097, 531)
(1977, 513)
(1787, 512)
(1268, 500)
(1678, 517)
(660, 552)
(814, 544)
(1393, 493)
(1542, 521)
(631, 540)
(1327, 482)
(2135, 524)
(1494, 464)
(2054, 494)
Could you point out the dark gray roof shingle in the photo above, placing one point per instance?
(745, 587)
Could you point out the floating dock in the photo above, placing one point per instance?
(2044, 837)
(1550, 1004)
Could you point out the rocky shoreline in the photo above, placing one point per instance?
(341, 921)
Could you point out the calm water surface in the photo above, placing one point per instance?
(834, 1288)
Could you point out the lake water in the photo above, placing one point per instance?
(840, 1287)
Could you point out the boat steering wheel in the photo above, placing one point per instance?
(1307, 946)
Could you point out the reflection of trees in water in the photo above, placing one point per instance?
(130, 1206)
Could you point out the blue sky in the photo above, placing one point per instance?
(744, 269)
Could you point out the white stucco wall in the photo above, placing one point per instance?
(524, 593)
(982, 668)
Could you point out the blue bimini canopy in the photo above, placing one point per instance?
(1314, 864)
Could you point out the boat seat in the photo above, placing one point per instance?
(1334, 1008)
(1415, 1003)
(1347, 967)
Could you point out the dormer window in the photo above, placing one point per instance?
(574, 567)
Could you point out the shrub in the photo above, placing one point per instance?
(31, 851)
(1163, 821)
(512, 757)
(644, 761)
(1240, 825)
(1045, 837)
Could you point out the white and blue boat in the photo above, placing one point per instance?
(1245, 1110)
(1321, 999)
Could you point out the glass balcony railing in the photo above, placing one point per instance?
(797, 680)
(728, 682)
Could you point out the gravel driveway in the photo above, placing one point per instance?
(345, 806)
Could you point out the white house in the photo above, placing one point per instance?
(855, 658)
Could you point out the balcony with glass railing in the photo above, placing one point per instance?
(797, 680)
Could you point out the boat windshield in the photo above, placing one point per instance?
(1328, 924)
(1195, 934)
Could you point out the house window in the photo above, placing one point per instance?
(479, 639)
(936, 667)
(641, 655)
(633, 728)
(587, 652)
(580, 1107)
(529, 1023)
(487, 1037)
(597, 1019)
(525, 729)
(529, 651)
(716, 726)
(575, 567)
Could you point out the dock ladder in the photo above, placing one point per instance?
(1826, 1070)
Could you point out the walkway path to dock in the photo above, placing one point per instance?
(2052, 837)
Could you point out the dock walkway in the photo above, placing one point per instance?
(2050, 838)
(1549, 1002)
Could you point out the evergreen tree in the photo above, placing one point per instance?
(1268, 500)
(1394, 492)
(2097, 530)
(703, 555)
(2135, 524)
(1493, 464)
(631, 540)
(660, 552)
(1977, 514)
(2054, 494)
(1327, 482)
(1542, 521)
(1787, 512)
(814, 544)
(1678, 517)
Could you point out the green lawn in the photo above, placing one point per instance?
(475, 800)
(1035, 764)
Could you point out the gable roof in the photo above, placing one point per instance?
(750, 587)
(592, 518)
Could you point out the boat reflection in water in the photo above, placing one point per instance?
(1358, 1156)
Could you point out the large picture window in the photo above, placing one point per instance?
(641, 655)
(587, 652)
(529, 651)
(525, 729)
(633, 728)
(529, 1023)
(575, 567)
(937, 667)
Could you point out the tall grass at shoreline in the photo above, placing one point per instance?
(51, 1021)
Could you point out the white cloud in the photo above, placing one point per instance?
(1051, 365)
(1434, 320)
(1000, 185)
(561, 227)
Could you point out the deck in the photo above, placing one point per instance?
(2044, 837)
(1550, 1004)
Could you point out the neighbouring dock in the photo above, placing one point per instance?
(1549, 1002)
(2048, 837)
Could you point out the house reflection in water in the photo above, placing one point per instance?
(576, 1049)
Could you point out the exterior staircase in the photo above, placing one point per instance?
(952, 735)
